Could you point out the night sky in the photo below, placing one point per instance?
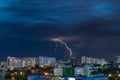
(89, 27)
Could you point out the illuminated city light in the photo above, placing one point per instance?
(110, 75)
(13, 78)
(21, 73)
(118, 75)
(46, 73)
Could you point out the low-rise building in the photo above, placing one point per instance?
(58, 72)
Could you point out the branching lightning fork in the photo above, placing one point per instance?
(65, 44)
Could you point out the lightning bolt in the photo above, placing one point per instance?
(56, 46)
(65, 44)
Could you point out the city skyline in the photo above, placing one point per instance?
(89, 28)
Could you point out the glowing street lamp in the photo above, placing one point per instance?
(118, 75)
(21, 73)
(46, 73)
(109, 75)
(12, 76)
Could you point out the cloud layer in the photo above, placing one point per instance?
(90, 28)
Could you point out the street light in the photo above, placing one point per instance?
(109, 75)
(13, 78)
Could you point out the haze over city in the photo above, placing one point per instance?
(89, 27)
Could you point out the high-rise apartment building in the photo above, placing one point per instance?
(91, 60)
(21, 62)
(47, 61)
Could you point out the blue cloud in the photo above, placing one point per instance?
(26, 23)
(66, 11)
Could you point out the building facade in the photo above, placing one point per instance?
(47, 61)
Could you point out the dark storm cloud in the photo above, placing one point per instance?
(31, 12)
(89, 27)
